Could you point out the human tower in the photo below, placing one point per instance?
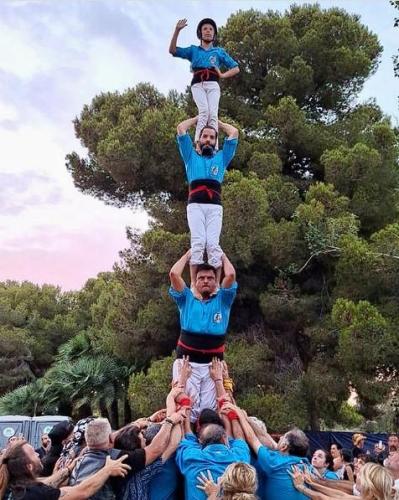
(204, 306)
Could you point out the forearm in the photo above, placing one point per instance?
(231, 72)
(264, 437)
(186, 124)
(329, 492)
(311, 493)
(160, 441)
(170, 405)
(187, 427)
(88, 487)
(178, 267)
(237, 431)
(220, 390)
(56, 479)
(173, 42)
(249, 434)
(344, 486)
(229, 130)
(175, 438)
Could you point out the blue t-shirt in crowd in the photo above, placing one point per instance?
(278, 483)
(164, 485)
(192, 459)
(205, 316)
(261, 491)
(206, 58)
(204, 167)
(329, 474)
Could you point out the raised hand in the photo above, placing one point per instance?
(216, 370)
(207, 484)
(181, 23)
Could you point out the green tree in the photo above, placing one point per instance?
(311, 208)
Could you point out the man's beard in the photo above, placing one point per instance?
(206, 294)
(207, 150)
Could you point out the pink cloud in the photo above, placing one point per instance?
(69, 266)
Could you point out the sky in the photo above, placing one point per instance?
(55, 56)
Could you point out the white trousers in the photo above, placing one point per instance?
(206, 96)
(205, 223)
(200, 387)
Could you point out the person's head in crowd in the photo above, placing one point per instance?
(335, 450)
(259, 423)
(205, 281)
(129, 438)
(322, 461)
(20, 465)
(392, 464)
(295, 443)
(212, 434)
(11, 440)
(45, 440)
(209, 416)
(358, 440)
(151, 431)
(98, 434)
(393, 442)
(362, 460)
(346, 456)
(375, 483)
(61, 433)
(239, 482)
(338, 463)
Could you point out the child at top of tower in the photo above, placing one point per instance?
(206, 60)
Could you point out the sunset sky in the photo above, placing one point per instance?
(55, 55)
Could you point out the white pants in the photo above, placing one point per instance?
(205, 223)
(200, 387)
(206, 96)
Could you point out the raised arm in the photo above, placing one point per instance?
(182, 23)
(160, 442)
(186, 124)
(249, 434)
(262, 434)
(229, 272)
(229, 130)
(175, 274)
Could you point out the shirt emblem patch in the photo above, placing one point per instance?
(217, 317)
(214, 170)
(212, 60)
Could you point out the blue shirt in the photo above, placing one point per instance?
(164, 485)
(329, 474)
(261, 491)
(205, 316)
(192, 459)
(206, 58)
(204, 167)
(278, 483)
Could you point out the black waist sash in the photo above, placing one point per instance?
(204, 75)
(205, 191)
(200, 347)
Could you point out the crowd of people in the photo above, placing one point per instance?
(224, 454)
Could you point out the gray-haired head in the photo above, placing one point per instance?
(98, 433)
(295, 443)
(151, 431)
(212, 434)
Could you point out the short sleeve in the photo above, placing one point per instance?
(241, 450)
(187, 448)
(229, 150)
(179, 297)
(185, 146)
(265, 459)
(184, 52)
(228, 294)
(227, 60)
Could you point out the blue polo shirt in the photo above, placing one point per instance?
(206, 58)
(192, 459)
(278, 483)
(203, 167)
(205, 316)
